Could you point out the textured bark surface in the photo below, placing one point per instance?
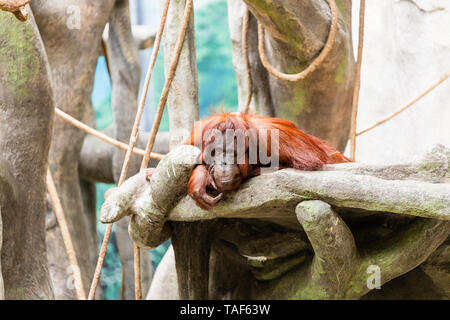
(73, 155)
(296, 31)
(72, 83)
(26, 112)
(303, 235)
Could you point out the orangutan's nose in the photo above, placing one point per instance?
(227, 177)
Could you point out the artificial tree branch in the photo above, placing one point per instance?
(276, 194)
(150, 203)
(401, 253)
(125, 75)
(436, 267)
(338, 269)
(335, 253)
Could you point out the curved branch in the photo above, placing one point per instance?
(276, 194)
(150, 203)
(335, 256)
(403, 252)
(258, 196)
(337, 269)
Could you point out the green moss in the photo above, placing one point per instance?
(14, 293)
(17, 53)
(298, 103)
(311, 293)
(341, 6)
(435, 205)
(287, 27)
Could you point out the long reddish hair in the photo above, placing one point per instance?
(297, 149)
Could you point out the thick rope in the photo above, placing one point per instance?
(245, 22)
(80, 125)
(70, 250)
(409, 104)
(357, 86)
(315, 64)
(126, 163)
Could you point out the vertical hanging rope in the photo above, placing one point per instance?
(126, 163)
(315, 64)
(357, 86)
(244, 37)
(70, 250)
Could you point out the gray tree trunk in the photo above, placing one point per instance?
(26, 115)
(78, 26)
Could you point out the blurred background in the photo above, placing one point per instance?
(217, 85)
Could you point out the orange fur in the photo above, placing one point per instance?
(296, 148)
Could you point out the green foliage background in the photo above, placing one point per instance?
(217, 85)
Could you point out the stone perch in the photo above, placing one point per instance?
(320, 205)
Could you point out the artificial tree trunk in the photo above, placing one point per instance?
(72, 41)
(26, 116)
